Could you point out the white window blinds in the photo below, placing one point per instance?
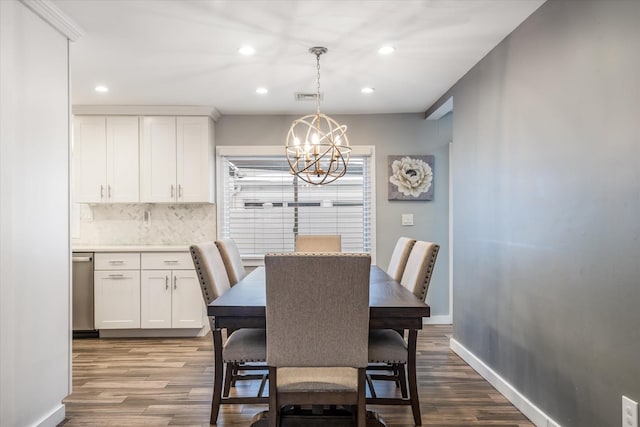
(264, 207)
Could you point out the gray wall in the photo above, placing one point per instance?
(390, 134)
(546, 187)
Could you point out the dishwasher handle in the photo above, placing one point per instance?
(81, 259)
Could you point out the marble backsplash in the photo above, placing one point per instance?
(143, 224)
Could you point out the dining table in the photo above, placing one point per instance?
(391, 306)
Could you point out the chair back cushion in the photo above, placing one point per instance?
(317, 309)
(318, 243)
(417, 273)
(210, 269)
(232, 260)
(399, 257)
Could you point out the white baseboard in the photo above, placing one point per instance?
(153, 333)
(54, 418)
(531, 411)
(437, 320)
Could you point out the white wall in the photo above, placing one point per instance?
(34, 219)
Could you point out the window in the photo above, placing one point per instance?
(263, 207)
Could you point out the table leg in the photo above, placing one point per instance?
(217, 375)
(413, 382)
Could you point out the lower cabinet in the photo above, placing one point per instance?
(148, 290)
(117, 299)
(170, 299)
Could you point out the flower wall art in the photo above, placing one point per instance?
(410, 177)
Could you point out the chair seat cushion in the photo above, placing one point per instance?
(246, 345)
(387, 346)
(321, 379)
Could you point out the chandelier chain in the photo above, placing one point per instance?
(318, 81)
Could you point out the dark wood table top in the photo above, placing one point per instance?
(391, 305)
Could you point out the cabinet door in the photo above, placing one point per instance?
(187, 305)
(117, 299)
(155, 299)
(194, 159)
(89, 159)
(122, 159)
(158, 159)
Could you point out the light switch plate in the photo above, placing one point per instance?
(407, 219)
(629, 412)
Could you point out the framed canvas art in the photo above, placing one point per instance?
(411, 177)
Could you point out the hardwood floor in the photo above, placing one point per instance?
(123, 382)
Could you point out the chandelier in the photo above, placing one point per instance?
(317, 146)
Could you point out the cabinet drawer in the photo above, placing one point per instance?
(167, 260)
(117, 261)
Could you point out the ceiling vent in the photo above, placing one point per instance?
(300, 96)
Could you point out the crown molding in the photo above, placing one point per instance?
(146, 110)
(56, 18)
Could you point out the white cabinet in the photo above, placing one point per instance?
(155, 298)
(177, 159)
(170, 298)
(105, 159)
(187, 306)
(117, 290)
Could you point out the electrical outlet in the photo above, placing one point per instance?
(629, 412)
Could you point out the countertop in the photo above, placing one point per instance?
(130, 248)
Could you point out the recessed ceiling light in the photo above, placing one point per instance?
(246, 50)
(368, 90)
(262, 90)
(386, 50)
(102, 89)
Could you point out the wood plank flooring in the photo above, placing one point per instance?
(164, 382)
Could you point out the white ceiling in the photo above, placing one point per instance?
(184, 52)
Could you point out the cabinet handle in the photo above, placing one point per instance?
(166, 283)
(116, 276)
(101, 191)
(180, 191)
(170, 261)
(116, 261)
(109, 191)
(175, 282)
(172, 188)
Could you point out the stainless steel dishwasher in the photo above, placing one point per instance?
(83, 325)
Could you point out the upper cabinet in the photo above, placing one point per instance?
(105, 159)
(176, 160)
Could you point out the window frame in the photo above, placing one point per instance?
(274, 150)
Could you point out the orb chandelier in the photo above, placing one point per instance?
(317, 146)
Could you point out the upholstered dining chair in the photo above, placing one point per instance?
(399, 257)
(313, 357)
(241, 346)
(318, 243)
(387, 348)
(232, 260)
